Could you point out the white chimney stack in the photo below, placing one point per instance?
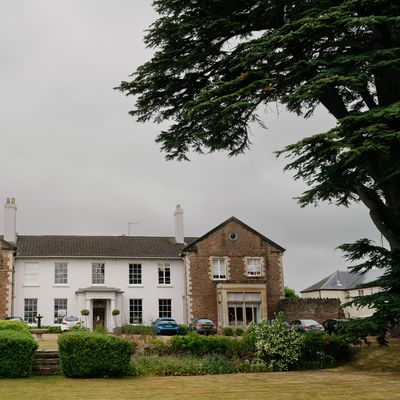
(178, 214)
(10, 220)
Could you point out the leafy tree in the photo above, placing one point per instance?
(290, 293)
(217, 61)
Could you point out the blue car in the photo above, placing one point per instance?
(165, 326)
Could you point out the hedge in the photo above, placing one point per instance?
(14, 326)
(324, 351)
(88, 355)
(17, 350)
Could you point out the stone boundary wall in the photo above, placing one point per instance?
(317, 309)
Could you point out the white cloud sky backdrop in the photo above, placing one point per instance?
(77, 163)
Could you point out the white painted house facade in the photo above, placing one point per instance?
(54, 276)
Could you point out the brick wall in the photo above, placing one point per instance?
(317, 309)
(5, 280)
(202, 290)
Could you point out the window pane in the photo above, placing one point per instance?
(252, 297)
(60, 310)
(61, 273)
(253, 266)
(98, 273)
(135, 274)
(31, 273)
(232, 296)
(135, 311)
(164, 308)
(219, 268)
(30, 310)
(164, 274)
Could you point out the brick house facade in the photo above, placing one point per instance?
(234, 275)
(6, 277)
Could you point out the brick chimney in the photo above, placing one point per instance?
(178, 214)
(10, 220)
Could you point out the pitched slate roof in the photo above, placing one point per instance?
(234, 219)
(344, 280)
(99, 246)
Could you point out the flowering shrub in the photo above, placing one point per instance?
(275, 345)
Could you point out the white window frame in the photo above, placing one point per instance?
(60, 304)
(60, 273)
(219, 268)
(164, 274)
(135, 274)
(30, 310)
(250, 266)
(31, 272)
(136, 311)
(165, 308)
(98, 273)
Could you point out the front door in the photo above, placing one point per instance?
(99, 313)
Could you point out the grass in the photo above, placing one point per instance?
(374, 374)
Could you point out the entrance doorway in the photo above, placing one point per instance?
(99, 313)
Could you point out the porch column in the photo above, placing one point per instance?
(112, 317)
(89, 317)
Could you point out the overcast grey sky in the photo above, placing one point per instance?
(77, 163)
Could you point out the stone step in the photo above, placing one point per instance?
(46, 362)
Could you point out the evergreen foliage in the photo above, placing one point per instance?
(216, 62)
(87, 355)
(17, 350)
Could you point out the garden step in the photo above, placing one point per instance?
(46, 363)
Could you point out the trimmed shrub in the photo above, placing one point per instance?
(324, 351)
(183, 329)
(227, 331)
(17, 350)
(51, 329)
(239, 332)
(199, 345)
(88, 355)
(14, 326)
(136, 330)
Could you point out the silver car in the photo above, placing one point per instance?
(306, 325)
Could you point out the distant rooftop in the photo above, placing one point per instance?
(344, 280)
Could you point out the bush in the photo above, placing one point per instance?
(324, 351)
(51, 329)
(181, 366)
(14, 326)
(227, 331)
(197, 345)
(86, 355)
(17, 350)
(136, 330)
(276, 346)
(239, 332)
(183, 329)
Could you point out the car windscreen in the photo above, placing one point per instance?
(205, 321)
(71, 319)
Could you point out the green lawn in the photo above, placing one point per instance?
(373, 375)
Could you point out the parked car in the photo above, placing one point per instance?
(67, 322)
(19, 319)
(333, 325)
(307, 325)
(165, 326)
(203, 326)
